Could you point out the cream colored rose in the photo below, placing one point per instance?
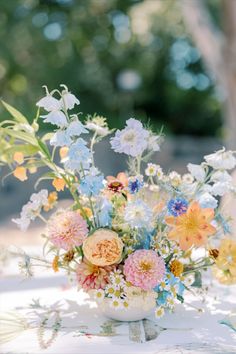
(104, 247)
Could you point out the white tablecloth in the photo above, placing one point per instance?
(83, 330)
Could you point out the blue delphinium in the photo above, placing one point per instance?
(103, 212)
(135, 184)
(78, 156)
(177, 206)
(91, 185)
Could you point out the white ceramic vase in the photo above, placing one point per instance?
(137, 310)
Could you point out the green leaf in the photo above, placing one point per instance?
(20, 135)
(180, 298)
(18, 116)
(47, 136)
(44, 148)
(26, 149)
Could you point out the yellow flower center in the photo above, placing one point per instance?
(145, 266)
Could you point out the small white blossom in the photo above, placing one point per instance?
(175, 178)
(159, 312)
(99, 295)
(187, 178)
(197, 171)
(221, 160)
(151, 169)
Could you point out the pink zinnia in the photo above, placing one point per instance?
(67, 229)
(90, 276)
(145, 269)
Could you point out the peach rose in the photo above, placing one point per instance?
(104, 247)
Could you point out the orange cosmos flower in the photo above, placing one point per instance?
(121, 177)
(20, 173)
(52, 199)
(59, 184)
(193, 227)
(63, 152)
(18, 157)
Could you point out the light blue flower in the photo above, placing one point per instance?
(56, 118)
(138, 214)
(104, 212)
(60, 138)
(206, 200)
(76, 128)
(78, 155)
(135, 184)
(132, 140)
(91, 185)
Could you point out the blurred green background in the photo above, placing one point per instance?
(121, 58)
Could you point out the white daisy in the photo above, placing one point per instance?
(159, 312)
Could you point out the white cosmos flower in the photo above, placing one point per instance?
(221, 160)
(197, 171)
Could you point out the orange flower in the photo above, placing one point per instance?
(63, 152)
(193, 227)
(104, 247)
(59, 184)
(18, 157)
(176, 267)
(52, 199)
(20, 173)
(32, 169)
(55, 264)
(121, 177)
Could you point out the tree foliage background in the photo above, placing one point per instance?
(122, 58)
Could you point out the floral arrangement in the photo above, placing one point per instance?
(135, 235)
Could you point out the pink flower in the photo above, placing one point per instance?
(145, 269)
(90, 276)
(67, 229)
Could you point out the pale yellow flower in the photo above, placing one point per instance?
(104, 247)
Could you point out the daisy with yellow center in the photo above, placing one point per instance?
(99, 295)
(159, 312)
(193, 227)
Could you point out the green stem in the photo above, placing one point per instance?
(198, 268)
